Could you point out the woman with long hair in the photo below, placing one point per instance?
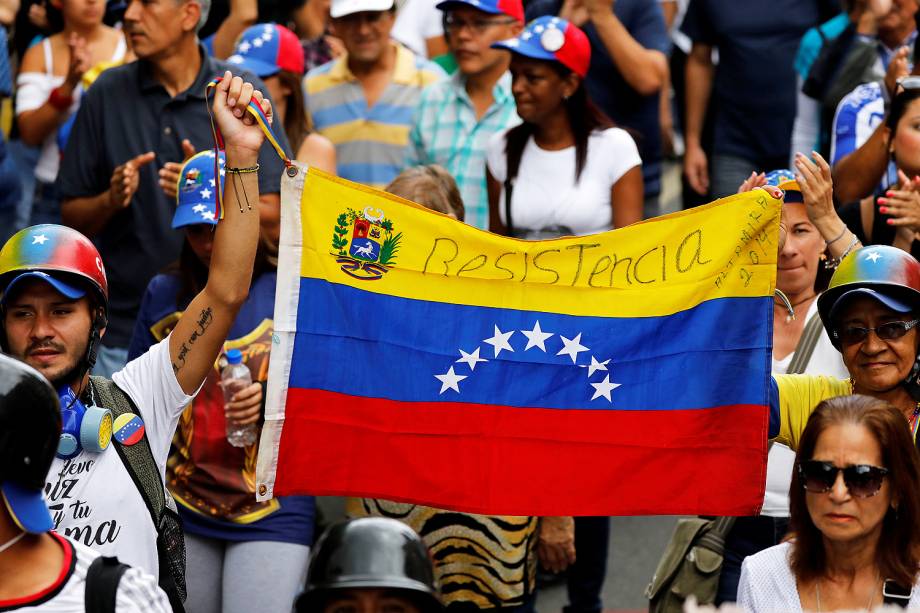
(854, 510)
(565, 170)
(51, 81)
(236, 546)
(277, 58)
(892, 215)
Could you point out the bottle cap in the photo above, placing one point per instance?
(234, 356)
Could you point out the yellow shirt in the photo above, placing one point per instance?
(799, 395)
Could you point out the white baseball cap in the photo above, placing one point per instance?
(340, 8)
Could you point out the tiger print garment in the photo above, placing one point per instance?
(483, 560)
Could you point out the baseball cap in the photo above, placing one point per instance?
(511, 8)
(554, 39)
(196, 192)
(341, 8)
(30, 426)
(267, 48)
(784, 179)
(66, 288)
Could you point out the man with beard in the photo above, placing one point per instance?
(55, 307)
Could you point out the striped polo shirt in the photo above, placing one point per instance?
(370, 143)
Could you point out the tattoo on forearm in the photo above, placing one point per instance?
(205, 318)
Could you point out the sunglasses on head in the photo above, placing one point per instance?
(906, 83)
(849, 335)
(862, 480)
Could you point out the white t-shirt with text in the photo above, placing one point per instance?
(92, 498)
(137, 591)
(546, 200)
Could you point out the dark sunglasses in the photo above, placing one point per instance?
(862, 480)
(887, 332)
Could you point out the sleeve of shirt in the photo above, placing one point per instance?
(83, 172)
(415, 150)
(807, 125)
(496, 161)
(647, 26)
(151, 383)
(843, 134)
(796, 396)
(696, 24)
(138, 592)
(32, 90)
(746, 589)
(620, 148)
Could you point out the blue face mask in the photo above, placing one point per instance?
(83, 427)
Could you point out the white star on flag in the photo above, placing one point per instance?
(604, 388)
(595, 366)
(221, 172)
(198, 208)
(212, 183)
(536, 337)
(526, 35)
(500, 342)
(245, 46)
(205, 193)
(471, 359)
(513, 42)
(267, 36)
(874, 256)
(209, 216)
(257, 42)
(39, 239)
(450, 380)
(538, 29)
(572, 347)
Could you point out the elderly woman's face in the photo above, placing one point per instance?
(799, 257)
(840, 516)
(876, 365)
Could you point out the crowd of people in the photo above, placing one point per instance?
(125, 283)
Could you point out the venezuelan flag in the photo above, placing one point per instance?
(419, 359)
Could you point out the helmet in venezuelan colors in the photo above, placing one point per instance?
(53, 249)
(784, 179)
(887, 274)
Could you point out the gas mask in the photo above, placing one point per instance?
(83, 427)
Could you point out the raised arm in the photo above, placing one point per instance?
(197, 339)
(814, 179)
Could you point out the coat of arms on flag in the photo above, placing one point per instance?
(613, 374)
(364, 243)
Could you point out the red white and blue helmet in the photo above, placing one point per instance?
(886, 274)
(59, 255)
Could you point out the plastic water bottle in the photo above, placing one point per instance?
(235, 377)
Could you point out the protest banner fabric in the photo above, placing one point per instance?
(419, 359)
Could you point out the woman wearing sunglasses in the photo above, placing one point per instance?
(855, 506)
(870, 311)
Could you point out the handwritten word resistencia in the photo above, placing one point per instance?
(579, 263)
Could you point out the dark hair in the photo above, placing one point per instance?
(898, 555)
(431, 186)
(295, 116)
(193, 274)
(584, 118)
(897, 109)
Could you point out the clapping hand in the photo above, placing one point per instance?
(903, 204)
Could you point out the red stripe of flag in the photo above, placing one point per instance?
(486, 459)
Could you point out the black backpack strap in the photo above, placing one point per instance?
(102, 581)
(895, 594)
(140, 464)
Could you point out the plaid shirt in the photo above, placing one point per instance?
(445, 131)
